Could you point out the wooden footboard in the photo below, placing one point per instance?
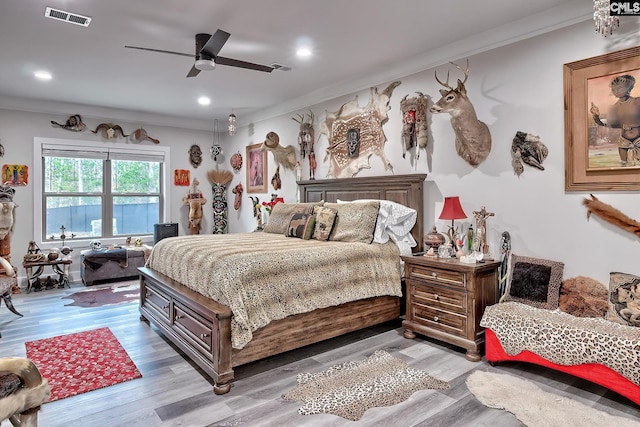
(202, 327)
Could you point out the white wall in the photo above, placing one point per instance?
(517, 87)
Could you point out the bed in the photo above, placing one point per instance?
(202, 327)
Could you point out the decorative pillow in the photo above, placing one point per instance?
(355, 222)
(624, 295)
(584, 297)
(535, 282)
(281, 215)
(394, 222)
(301, 226)
(325, 217)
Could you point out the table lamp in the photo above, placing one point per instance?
(452, 210)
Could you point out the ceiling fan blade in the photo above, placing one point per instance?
(221, 60)
(193, 72)
(215, 43)
(190, 55)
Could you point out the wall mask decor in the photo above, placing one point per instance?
(355, 133)
(236, 161)
(195, 155)
(473, 139)
(110, 131)
(283, 156)
(73, 124)
(414, 123)
(237, 190)
(1, 150)
(529, 149)
(306, 140)
(219, 180)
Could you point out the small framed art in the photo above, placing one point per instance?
(256, 169)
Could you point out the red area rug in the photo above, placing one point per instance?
(116, 294)
(81, 362)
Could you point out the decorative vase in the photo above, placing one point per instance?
(433, 239)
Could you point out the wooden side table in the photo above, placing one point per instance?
(446, 300)
(60, 267)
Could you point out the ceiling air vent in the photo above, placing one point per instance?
(72, 18)
(280, 67)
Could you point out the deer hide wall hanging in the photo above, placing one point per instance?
(355, 133)
(414, 123)
(473, 139)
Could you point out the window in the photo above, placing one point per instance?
(85, 188)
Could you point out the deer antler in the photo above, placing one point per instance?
(466, 75)
(446, 84)
(466, 72)
(298, 119)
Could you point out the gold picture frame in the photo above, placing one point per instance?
(590, 147)
(256, 169)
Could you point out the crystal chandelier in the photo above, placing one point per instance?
(605, 23)
(232, 124)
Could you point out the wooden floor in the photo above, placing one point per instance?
(172, 392)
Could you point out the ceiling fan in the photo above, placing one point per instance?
(206, 56)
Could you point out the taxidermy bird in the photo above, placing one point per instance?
(529, 149)
(109, 130)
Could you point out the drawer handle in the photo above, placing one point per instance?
(164, 307)
(436, 297)
(434, 274)
(436, 319)
(179, 316)
(203, 336)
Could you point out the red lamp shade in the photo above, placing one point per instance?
(452, 209)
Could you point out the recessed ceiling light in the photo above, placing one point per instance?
(203, 100)
(303, 51)
(42, 75)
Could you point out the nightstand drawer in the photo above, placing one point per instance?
(449, 277)
(439, 297)
(445, 321)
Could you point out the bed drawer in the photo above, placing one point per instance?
(440, 298)
(451, 323)
(437, 275)
(193, 328)
(157, 302)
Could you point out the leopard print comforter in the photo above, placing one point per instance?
(565, 339)
(265, 276)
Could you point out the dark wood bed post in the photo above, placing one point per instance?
(201, 327)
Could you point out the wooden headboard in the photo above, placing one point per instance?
(403, 189)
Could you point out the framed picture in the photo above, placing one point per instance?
(182, 177)
(602, 122)
(15, 175)
(256, 169)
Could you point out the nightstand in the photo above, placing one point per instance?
(446, 300)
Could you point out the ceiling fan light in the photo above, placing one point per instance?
(205, 64)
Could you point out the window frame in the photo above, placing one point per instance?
(38, 180)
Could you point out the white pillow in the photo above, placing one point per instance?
(394, 222)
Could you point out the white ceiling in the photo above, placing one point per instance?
(356, 44)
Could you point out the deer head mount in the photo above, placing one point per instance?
(473, 139)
